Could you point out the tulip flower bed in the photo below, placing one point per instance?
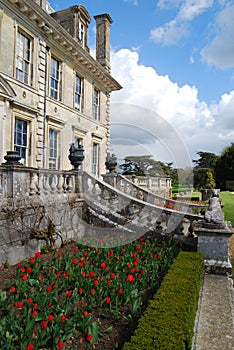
(76, 298)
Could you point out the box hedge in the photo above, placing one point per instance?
(168, 322)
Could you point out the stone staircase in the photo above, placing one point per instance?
(121, 207)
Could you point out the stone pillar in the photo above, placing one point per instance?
(213, 244)
(213, 234)
(110, 178)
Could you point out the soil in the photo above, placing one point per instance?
(122, 329)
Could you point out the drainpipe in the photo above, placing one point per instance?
(45, 90)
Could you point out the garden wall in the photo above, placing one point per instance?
(29, 223)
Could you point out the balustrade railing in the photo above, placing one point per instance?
(138, 206)
(28, 181)
(135, 190)
(126, 201)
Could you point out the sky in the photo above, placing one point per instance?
(175, 62)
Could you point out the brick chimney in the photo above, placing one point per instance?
(103, 23)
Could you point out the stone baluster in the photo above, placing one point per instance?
(60, 183)
(94, 190)
(149, 183)
(150, 218)
(32, 186)
(40, 183)
(53, 182)
(46, 183)
(65, 183)
(1, 185)
(69, 183)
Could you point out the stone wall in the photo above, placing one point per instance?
(29, 223)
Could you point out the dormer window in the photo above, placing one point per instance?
(75, 20)
(82, 34)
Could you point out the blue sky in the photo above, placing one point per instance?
(174, 58)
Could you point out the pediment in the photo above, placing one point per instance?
(6, 91)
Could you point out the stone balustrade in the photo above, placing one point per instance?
(32, 197)
(21, 181)
(136, 205)
(133, 189)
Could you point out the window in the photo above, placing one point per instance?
(95, 159)
(82, 34)
(53, 149)
(96, 104)
(23, 58)
(54, 78)
(78, 94)
(21, 138)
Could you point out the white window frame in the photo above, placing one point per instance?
(56, 124)
(82, 33)
(22, 146)
(23, 62)
(96, 104)
(78, 95)
(28, 118)
(55, 78)
(95, 158)
(53, 149)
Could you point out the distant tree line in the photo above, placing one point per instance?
(209, 171)
(212, 171)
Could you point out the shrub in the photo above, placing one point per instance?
(168, 321)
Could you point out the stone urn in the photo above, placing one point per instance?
(111, 162)
(12, 158)
(76, 154)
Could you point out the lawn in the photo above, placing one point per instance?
(228, 201)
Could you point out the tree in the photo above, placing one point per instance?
(204, 170)
(225, 169)
(207, 160)
(144, 165)
(204, 179)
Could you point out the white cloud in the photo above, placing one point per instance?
(168, 4)
(170, 33)
(178, 27)
(220, 52)
(164, 115)
(135, 2)
(191, 59)
(192, 8)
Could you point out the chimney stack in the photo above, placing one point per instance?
(103, 23)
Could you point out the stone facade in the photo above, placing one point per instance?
(52, 91)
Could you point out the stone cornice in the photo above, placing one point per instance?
(54, 31)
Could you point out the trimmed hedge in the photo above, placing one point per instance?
(168, 321)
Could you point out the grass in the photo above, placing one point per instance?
(228, 201)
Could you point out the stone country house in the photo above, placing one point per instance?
(52, 91)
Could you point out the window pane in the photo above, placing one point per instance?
(96, 108)
(95, 159)
(23, 57)
(20, 138)
(54, 78)
(78, 94)
(53, 149)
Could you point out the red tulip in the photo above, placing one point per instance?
(89, 337)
